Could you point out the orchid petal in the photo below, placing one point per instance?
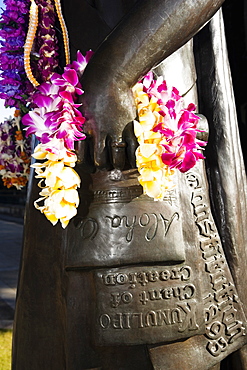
(71, 76)
(67, 95)
(42, 101)
(188, 162)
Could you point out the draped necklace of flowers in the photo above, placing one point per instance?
(57, 123)
(166, 131)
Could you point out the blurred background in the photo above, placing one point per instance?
(4, 112)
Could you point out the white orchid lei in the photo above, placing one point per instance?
(57, 123)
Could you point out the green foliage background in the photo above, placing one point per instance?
(5, 349)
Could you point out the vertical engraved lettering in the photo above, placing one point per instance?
(217, 263)
(219, 305)
(218, 280)
(206, 227)
(236, 331)
(229, 317)
(193, 180)
(224, 295)
(210, 246)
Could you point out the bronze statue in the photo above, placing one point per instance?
(132, 283)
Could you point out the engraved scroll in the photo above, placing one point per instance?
(136, 305)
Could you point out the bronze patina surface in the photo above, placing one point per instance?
(131, 283)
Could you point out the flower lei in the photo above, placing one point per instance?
(57, 123)
(46, 46)
(166, 131)
(14, 87)
(15, 152)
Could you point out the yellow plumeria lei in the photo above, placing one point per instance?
(155, 177)
(166, 131)
(59, 192)
(57, 123)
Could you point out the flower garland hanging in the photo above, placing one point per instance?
(57, 123)
(15, 152)
(46, 45)
(166, 132)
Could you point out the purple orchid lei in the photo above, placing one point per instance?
(55, 114)
(57, 123)
(179, 125)
(14, 87)
(46, 45)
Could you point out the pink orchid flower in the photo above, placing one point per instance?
(178, 126)
(80, 64)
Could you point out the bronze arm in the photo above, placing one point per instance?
(148, 34)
